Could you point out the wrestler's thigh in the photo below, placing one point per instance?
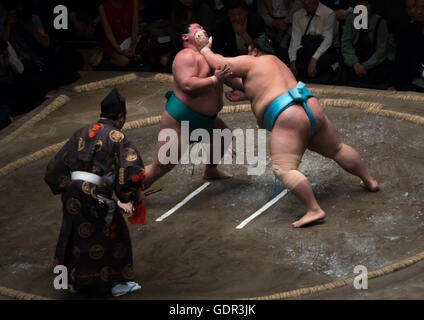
(219, 124)
(287, 141)
(326, 141)
(167, 122)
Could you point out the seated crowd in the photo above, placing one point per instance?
(318, 40)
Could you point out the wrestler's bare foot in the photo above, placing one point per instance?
(215, 174)
(309, 217)
(371, 185)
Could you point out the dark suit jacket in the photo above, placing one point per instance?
(410, 56)
(224, 39)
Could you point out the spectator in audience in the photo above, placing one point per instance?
(25, 32)
(311, 48)
(393, 11)
(85, 20)
(120, 22)
(237, 31)
(44, 10)
(60, 48)
(341, 8)
(366, 52)
(278, 17)
(10, 66)
(13, 80)
(411, 10)
(409, 67)
(187, 11)
(156, 17)
(219, 9)
(153, 55)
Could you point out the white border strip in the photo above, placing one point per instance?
(263, 209)
(187, 199)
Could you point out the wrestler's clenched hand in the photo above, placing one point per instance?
(223, 72)
(234, 96)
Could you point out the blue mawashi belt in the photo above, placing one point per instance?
(181, 112)
(298, 95)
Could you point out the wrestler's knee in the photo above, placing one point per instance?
(285, 167)
(291, 179)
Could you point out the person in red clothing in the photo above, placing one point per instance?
(120, 22)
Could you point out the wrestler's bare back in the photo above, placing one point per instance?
(206, 101)
(267, 79)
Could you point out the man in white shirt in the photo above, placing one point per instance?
(311, 48)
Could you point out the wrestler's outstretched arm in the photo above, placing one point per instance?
(185, 72)
(239, 66)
